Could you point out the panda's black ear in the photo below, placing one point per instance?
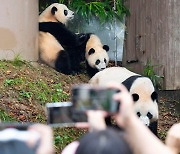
(53, 10)
(91, 51)
(106, 47)
(135, 97)
(154, 96)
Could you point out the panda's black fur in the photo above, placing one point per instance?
(68, 60)
(64, 36)
(91, 71)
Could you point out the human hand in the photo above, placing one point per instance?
(95, 120)
(46, 138)
(173, 138)
(126, 110)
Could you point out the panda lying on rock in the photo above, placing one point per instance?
(141, 89)
(55, 39)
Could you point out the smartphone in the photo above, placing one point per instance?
(61, 114)
(88, 97)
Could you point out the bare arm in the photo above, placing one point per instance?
(173, 138)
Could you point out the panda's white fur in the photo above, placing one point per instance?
(100, 53)
(142, 86)
(117, 74)
(49, 48)
(96, 55)
(47, 16)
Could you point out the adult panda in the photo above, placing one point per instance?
(55, 39)
(141, 89)
(96, 55)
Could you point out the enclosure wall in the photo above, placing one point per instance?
(19, 29)
(153, 33)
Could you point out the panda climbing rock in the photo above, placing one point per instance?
(55, 39)
(96, 55)
(141, 89)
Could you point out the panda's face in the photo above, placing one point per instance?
(98, 58)
(61, 13)
(145, 99)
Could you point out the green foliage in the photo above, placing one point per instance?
(3, 65)
(10, 82)
(58, 93)
(150, 72)
(5, 117)
(17, 61)
(64, 136)
(101, 9)
(25, 94)
(39, 90)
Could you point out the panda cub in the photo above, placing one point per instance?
(96, 55)
(55, 39)
(141, 89)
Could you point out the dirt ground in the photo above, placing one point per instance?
(25, 88)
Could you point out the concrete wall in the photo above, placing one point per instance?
(19, 29)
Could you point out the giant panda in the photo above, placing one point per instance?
(55, 39)
(141, 89)
(96, 55)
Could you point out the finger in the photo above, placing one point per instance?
(97, 112)
(117, 97)
(82, 125)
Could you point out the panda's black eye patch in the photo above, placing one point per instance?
(135, 97)
(149, 115)
(97, 62)
(154, 96)
(105, 60)
(53, 10)
(91, 51)
(138, 114)
(65, 12)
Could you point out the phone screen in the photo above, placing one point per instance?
(85, 97)
(61, 114)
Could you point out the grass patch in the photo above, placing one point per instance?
(5, 117)
(17, 61)
(26, 88)
(64, 136)
(36, 90)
